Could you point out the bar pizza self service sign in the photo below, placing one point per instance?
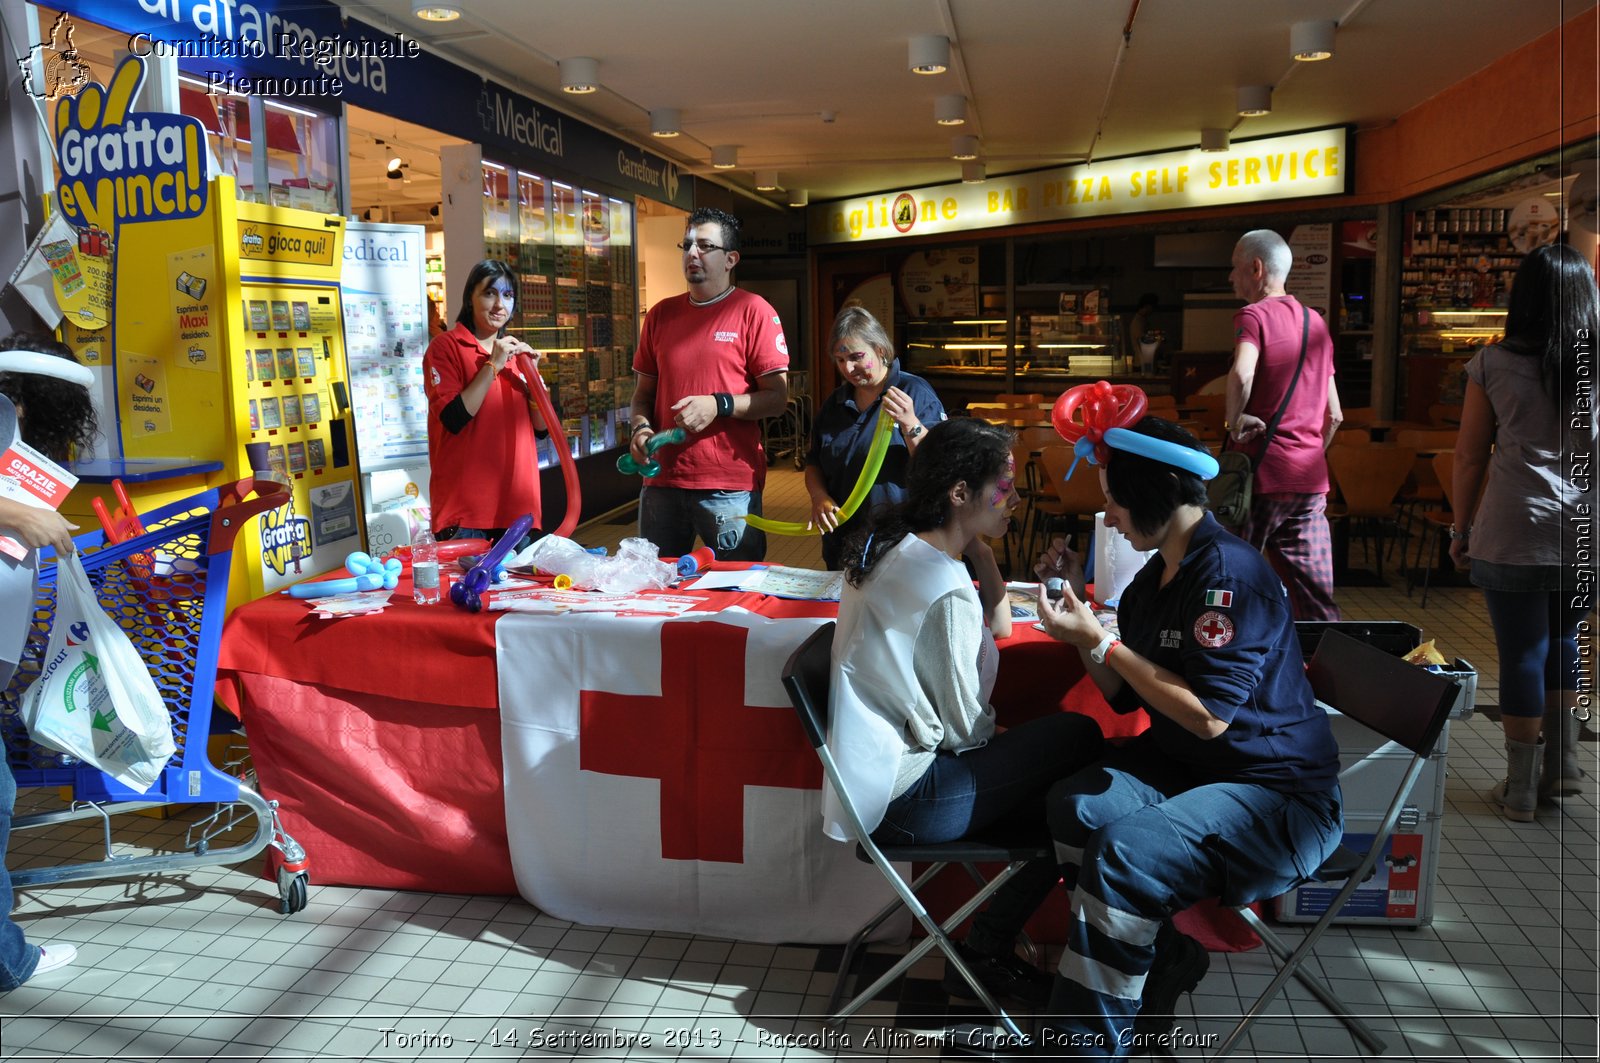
(1314, 163)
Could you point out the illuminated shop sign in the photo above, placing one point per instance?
(1316, 163)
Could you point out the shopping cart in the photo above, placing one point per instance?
(167, 589)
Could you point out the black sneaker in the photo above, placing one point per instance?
(1180, 963)
(1007, 976)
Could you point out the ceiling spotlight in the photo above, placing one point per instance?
(950, 110)
(929, 55)
(766, 180)
(1213, 139)
(665, 122)
(396, 168)
(1311, 41)
(433, 211)
(799, 197)
(973, 173)
(724, 156)
(433, 11)
(964, 147)
(579, 75)
(1255, 100)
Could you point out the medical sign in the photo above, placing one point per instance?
(121, 166)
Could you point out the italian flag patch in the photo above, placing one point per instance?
(1222, 599)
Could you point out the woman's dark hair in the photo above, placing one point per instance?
(57, 415)
(1151, 491)
(488, 269)
(1553, 309)
(962, 448)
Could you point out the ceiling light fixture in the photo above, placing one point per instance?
(1213, 139)
(724, 157)
(1254, 100)
(929, 55)
(799, 197)
(973, 173)
(433, 11)
(766, 180)
(665, 122)
(964, 147)
(579, 75)
(396, 168)
(950, 110)
(1310, 42)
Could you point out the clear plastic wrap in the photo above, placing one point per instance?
(634, 568)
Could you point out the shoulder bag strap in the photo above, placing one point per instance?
(1272, 428)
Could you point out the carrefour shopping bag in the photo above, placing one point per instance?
(94, 698)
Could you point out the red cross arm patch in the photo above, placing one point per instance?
(1213, 630)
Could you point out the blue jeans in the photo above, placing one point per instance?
(17, 957)
(1138, 840)
(671, 517)
(1536, 633)
(1004, 781)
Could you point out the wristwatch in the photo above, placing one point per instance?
(1460, 533)
(1099, 654)
(916, 430)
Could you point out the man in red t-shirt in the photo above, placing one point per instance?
(714, 362)
(1288, 519)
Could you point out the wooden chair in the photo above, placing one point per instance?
(1075, 499)
(1359, 416)
(1352, 437)
(1009, 398)
(1436, 523)
(1423, 488)
(1369, 478)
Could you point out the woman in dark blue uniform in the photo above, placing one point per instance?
(842, 432)
(1233, 791)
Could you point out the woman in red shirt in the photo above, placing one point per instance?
(483, 428)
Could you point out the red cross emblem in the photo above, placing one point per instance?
(1213, 630)
(700, 739)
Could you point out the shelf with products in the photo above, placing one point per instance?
(572, 249)
(1455, 279)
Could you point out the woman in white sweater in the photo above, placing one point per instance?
(914, 666)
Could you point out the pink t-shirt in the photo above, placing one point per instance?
(1294, 462)
(700, 350)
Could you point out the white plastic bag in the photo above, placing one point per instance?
(94, 698)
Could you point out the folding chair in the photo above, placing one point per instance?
(806, 677)
(1405, 705)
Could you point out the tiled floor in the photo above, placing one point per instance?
(201, 966)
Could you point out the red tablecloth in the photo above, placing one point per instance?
(372, 732)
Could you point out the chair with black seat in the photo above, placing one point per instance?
(807, 677)
(1405, 705)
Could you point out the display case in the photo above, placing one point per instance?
(1060, 334)
(1456, 279)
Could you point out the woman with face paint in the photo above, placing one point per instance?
(914, 664)
(870, 378)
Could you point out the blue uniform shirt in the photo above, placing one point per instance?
(1224, 625)
(841, 437)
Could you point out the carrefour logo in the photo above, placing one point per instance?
(78, 634)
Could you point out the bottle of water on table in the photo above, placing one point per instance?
(425, 564)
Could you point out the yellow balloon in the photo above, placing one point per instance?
(881, 435)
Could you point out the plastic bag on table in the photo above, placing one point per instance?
(94, 698)
(635, 568)
(555, 555)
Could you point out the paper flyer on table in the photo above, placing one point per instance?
(550, 600)
(780, 581)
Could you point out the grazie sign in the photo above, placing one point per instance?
(1287, 167)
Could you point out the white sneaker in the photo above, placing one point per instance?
(54, 956)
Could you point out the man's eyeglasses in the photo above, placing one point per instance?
(705, 247)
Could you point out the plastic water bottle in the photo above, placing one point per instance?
(425, 565)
